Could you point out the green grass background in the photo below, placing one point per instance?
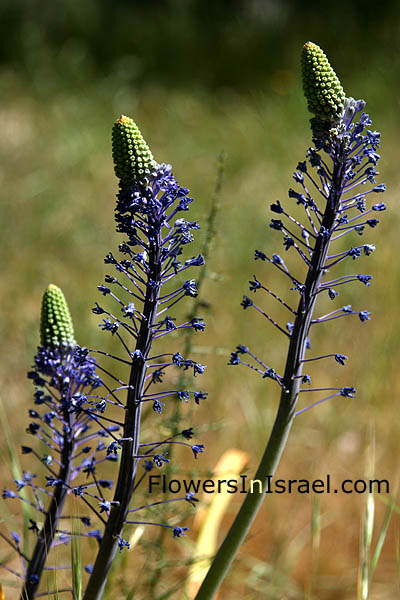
(200, 78)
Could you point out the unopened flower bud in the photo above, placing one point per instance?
(132, 157)
(322, 89)
(56, 324)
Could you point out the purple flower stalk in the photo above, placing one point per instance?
(149, 207)
(62, 374)
(333, 186)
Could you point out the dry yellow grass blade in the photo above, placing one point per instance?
(209, 516)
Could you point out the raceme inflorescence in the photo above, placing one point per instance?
(151, 276)
(86, 414)
(62, 373)
(333, 186)
(90, 405)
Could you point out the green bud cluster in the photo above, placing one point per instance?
(132, 157)
(322, 89)
(56, 327)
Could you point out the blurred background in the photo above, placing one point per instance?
(202, 77)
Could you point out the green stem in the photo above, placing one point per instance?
(290, 390)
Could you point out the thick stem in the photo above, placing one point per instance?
(46, 535)
(286, 411)
(128, 466)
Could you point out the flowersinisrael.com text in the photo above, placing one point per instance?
(244, 485)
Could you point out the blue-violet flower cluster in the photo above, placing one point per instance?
(151, 278)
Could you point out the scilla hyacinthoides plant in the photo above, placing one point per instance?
(73, 425)
(61, 373)
(333, 185)
(148, 212)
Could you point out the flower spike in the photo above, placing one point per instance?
(144, 290)
(65, 379)
(56, 327)
(133, 159)
(333, 187)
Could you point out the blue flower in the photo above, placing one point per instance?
(187, 433)
(199, 396)
(364, 316)
(113, 448)
(301, 199)
(354, 253)
(122, 544)
(183, 395)
(240, 349)
(195, 261)
(105, 506)
(109, 325)
(160, 459)
(197, 448)
(254, 285)
(277, 208)
(246, 302)
(198, 324)
(341, 358)
(234, 359)
(104, 289)
(365, 279)
(368, 249)
(190, 288)
(129, 310)
(190, 497)
(276, 224)
(79, 490)
(158, 406)
(258, 255)
(269, 373)
(277, 260)
(348, 392)
(8, 494)
(180, 531)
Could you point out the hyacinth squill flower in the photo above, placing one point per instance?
(333, 186)
(150, 203)
(62, 373)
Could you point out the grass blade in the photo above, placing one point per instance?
(16, 472)
(76, 561)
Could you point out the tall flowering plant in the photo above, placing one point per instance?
(62, 373)
(88, 419)
(333, 186)
(148, 212)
